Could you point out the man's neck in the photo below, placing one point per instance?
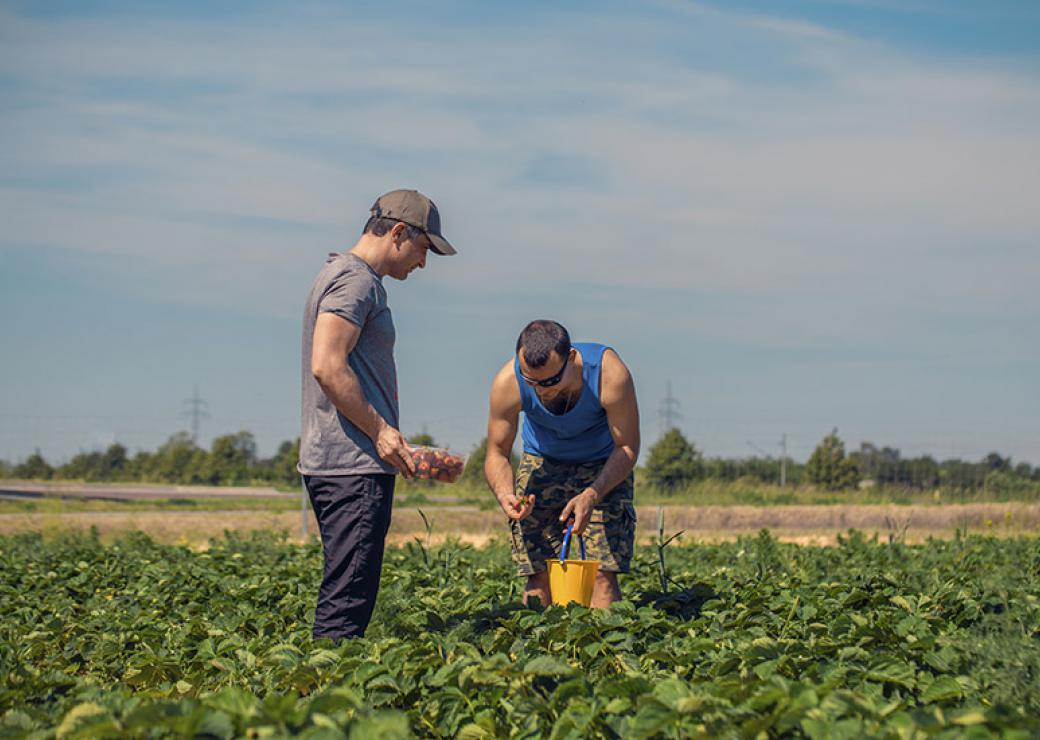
(564, 402)
(372, 250)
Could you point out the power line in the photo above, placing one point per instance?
(197, 411)
(668, 412)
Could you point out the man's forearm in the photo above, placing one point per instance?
(343, 389)
(615, 470)
(499, 474)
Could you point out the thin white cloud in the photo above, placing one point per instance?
(825, 183)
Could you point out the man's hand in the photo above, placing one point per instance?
(579, 510)
(392, 447)
(516, 507)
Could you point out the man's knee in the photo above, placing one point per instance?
(538, 587)
(606, 590)
(606, 582)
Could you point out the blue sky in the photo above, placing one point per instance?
(802, 215)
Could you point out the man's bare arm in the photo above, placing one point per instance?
(503, 418)
(618, 398)
(334, 339)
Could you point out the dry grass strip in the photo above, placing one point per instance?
(803, 524)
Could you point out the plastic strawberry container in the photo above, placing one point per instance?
(436, 463)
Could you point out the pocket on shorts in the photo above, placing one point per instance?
(614, 517)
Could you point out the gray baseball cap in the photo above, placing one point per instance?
(414, 209)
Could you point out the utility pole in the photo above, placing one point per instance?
(303, 508)
(196, 409)
(783, 457)
(668, 412)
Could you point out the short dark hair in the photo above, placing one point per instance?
(379, 225)
(540, 339)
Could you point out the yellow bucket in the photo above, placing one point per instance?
(572, 580)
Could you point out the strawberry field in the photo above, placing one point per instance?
(747, 639)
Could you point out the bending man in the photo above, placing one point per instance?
(581, 441)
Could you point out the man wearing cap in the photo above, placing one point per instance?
(581, 441)
(350, 446)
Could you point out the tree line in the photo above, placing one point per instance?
(673, 462)
(231, 460)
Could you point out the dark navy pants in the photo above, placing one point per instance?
(353, 513)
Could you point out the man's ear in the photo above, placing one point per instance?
(399, 232)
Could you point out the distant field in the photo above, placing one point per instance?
(802, 524)
(745, 492)
(710, 512)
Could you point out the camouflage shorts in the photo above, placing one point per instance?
(611, 531)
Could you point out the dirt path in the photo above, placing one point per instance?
(130, 492)
(803, 524)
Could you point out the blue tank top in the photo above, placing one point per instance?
(581, 434)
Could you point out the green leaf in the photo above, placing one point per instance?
(649, 721)
(971, 717)
(323, 658)
(384, 681)
(385, 725)
(546, 665)
(828, 729)
(901, 601)
(592, 649)
(217, 724)
(942, 689)
(234, 701)
(891, 671)
(670, 691)
(86, 720)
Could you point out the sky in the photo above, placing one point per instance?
(796, 216)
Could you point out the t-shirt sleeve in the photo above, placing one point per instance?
(349, 296)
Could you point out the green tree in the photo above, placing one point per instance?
(473, 473)
(828, 466)
(283, 466)
(422, 439)
(178, 460)
(82, 466)
(993, 461)
(114, 461)
(231, 460)
(1023, 470)
(141, 466)
(96, 466)
(34, 467)
(673, 461)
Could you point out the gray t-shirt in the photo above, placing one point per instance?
(330, 444)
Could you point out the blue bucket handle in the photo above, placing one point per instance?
(566, 542)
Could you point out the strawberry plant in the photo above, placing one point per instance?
(866, 639)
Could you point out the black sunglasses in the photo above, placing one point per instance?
(550, 381)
